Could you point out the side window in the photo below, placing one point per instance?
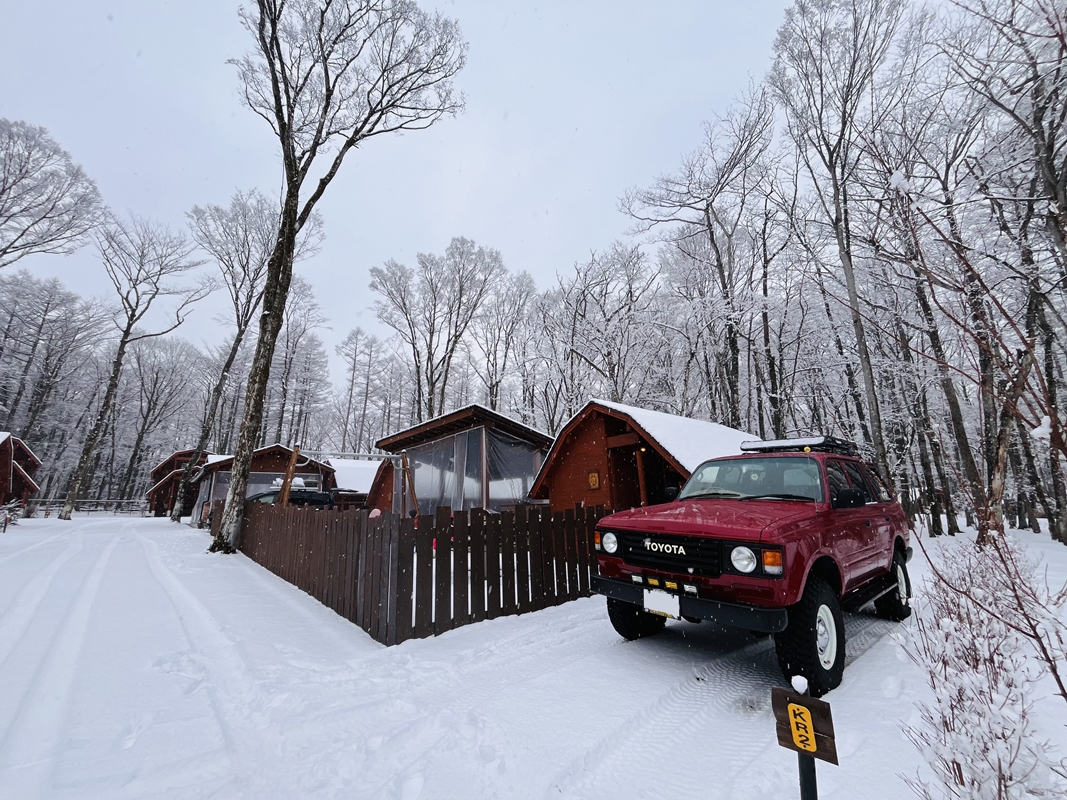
(835, 477)
(876, 484)
(858, 481)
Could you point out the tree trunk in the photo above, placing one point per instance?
(276, 292)
(89, 448)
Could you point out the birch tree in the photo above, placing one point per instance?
(326, 77)
(431, 309)
(142, 259)
(827, 54)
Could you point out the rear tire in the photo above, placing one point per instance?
(813, 643)
(632, 621)
(896, 605)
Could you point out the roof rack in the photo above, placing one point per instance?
(810, 444)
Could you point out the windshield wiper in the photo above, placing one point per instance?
(778, 496)
(712, 493)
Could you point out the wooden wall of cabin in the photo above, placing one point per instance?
(5, 471)
(584, 452)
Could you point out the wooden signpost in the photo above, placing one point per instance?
(806, 726)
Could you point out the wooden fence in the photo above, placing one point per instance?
(402, 578)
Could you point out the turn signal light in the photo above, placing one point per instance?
(596, 540)
(772, 562)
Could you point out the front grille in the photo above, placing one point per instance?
(703, 556)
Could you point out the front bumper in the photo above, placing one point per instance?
(737, 615)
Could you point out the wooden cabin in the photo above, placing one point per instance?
(267, 470)
(470, 458)
(622, 457)
(166, 478)
(18, 465)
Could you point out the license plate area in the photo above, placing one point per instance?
(662, 603)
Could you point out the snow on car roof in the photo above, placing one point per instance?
(691, 441)
(354, 474)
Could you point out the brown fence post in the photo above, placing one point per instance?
(537, 581)
(405, 591)
(424, 577)
(492, 566)
(522, 558)
(571, 554)
(507, 559)
(478, 562)
(387, 584)
(442, 614)
(363, 572)
(461, 573)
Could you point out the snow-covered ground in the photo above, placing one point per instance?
(135, 665)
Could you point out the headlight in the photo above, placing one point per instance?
(743, 559)
(610, 542)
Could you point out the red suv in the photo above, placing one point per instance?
(776, 540)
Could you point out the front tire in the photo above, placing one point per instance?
(632, 621)
(813, 643)
(896, 605)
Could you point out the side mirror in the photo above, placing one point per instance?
(670, 494)
(849, 498)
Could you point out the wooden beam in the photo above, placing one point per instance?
(623, 440)
(290, 470)
(639, 455)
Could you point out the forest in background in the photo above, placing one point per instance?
(869, 243)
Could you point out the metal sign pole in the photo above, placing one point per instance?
(806, 726)
(808, 788)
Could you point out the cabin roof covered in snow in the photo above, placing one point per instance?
(691, 441)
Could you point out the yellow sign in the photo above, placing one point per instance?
(801, 728)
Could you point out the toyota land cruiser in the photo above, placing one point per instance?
(776, 540)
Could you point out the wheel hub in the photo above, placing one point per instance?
(826, 637)
(902, 586)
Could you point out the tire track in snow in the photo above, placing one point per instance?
(33, 546)
(29, 748)
(16, 618)
(694, 723)
(238, 708)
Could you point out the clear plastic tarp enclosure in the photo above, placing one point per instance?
(457, 471)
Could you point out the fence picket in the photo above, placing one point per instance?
(405, 592)
(478, 562)
(461, 586)
(442, 616)
(424, 577)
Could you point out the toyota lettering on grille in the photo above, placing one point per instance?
(660, 547)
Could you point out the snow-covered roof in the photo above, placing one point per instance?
(691, 441)
(212, 459)
(355, 475)
(4, 436)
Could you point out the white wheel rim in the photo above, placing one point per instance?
(902, 585)
(826, 637)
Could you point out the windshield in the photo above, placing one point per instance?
(770, 478)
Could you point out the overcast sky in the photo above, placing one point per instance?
(568, 105)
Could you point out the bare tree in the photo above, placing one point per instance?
(240, 238)
(827, 54)
(360, 352)
(141, 259)
(706, 204)
(326, 76)
(495, 330)
(432, 308)
(47, 202)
